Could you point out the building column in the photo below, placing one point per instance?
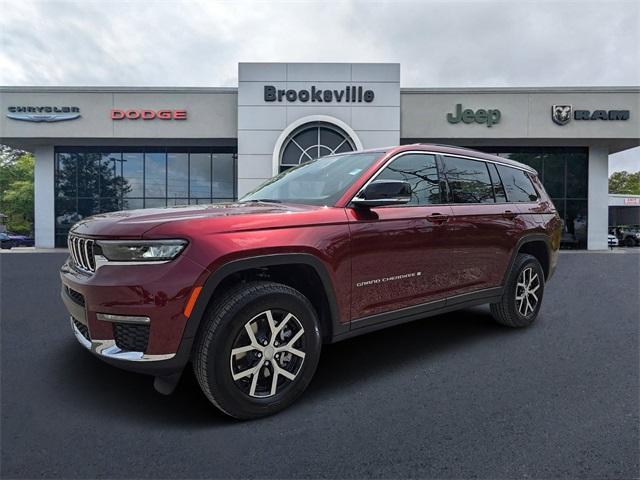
(598, 198)
(44, 211)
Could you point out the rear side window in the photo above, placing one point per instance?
(517, 184)
(420, 171)
(498, 189)
(469, 180)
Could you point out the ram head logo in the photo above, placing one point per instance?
(561, 114)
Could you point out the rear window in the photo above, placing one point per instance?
(517, 184)
(468, 180)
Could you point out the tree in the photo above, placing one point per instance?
(624, 183)
(16, 189)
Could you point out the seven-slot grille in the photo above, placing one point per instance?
(81, 251)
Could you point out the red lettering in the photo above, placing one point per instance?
(117, 114)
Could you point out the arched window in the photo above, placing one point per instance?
(313, 140)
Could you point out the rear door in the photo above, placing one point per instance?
(484, 228)
(400, 253)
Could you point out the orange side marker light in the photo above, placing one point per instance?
(192, 301)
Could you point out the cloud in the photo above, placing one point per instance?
(439, 44)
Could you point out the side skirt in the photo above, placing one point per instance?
(409, 314)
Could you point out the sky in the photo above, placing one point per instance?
(438, 43)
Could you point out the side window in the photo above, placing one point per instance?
(498, 189)
(468, 180)
(517, 184)
(422, 174)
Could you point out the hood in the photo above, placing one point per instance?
(134, 223)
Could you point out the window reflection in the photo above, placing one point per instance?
(420, 172)
(468, 180)
(91, 180)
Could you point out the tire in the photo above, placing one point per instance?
(225, 329)
(512, 312)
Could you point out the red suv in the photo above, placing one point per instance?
(248, 292)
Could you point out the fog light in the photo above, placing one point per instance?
(109, 317)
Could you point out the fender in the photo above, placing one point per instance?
(234, 266)
(532, 237)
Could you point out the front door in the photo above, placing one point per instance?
(400, 253)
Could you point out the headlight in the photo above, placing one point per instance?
(139, 250)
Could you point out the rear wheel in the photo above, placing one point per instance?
(258, 349)
(523, 292)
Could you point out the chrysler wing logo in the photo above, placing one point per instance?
(561, 114)
(40, 114)
(35, 117)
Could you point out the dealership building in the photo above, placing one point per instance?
(102, 149)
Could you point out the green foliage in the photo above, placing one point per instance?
(16, 190)
(625, 183)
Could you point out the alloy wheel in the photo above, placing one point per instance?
(526, 291)
(268, 353)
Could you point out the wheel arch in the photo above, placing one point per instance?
(537, 245)
(229, 273)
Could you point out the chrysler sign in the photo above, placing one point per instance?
(43, 113)
(348, 94)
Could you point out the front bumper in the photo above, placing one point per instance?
(157, 293)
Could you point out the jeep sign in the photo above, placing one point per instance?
(484, 116)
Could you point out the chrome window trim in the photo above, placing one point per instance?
(109, 349)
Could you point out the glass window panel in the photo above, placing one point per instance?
(172, 202)
(517, 184)
(468, 180)
(498, 189)
(132, 203)
(200, 175)
(177, 175)
(132, 171)
(66, 175)
(155, 174)
(420, 172)
(111, 204)
(553, 176)
(155, 202)
(109, 173)
(223, 175)
(88, 174)
(577, 175)
(88, 207)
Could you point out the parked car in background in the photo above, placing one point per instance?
(9, 240)
(628, 236)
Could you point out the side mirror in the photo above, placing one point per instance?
(383, 192)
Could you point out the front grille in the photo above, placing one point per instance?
(81, 251)
(82, 328)
(77, 297)
(131, 337)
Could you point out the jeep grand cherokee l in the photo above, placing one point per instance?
(248, 292)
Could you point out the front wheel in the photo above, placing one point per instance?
(522, 295)
(258, 349)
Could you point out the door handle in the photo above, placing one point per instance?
(437, 218)
(509, 214)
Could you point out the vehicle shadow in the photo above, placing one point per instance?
(98, 388)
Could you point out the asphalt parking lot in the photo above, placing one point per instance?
(454, 396)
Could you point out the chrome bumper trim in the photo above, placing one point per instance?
(109, 349)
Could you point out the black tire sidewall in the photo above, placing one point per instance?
(227, 393)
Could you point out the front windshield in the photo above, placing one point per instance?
(317, 182)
